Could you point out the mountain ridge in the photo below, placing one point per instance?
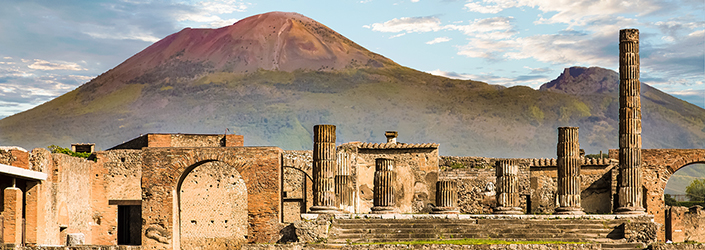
(189, 92)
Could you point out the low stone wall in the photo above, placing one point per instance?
(679, 246)
(82, 247)
(428, 246)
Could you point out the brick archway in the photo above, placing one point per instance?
(165, 168)
(658, 167)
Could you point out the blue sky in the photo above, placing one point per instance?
(48, 48)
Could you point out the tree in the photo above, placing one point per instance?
(670, 201)
(696, 190)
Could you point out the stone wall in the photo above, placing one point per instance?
(436, 246)
(476, 180)
(164, 169)
(537, 182)
(74, 196)
(182, 140)
(297, 183)
(416, 170)
(685, 224)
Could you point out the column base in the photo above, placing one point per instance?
(569, 211)
(324, 210)
(630, 210)
(445, 210)
(383, 210)
(507, 210)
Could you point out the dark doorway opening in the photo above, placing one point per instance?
(129, 229)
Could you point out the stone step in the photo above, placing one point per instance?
(623, 245)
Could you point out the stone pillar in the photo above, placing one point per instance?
(446, 197)
(35, 214)
(507, 187)
(629, 182)
(324, 169)
(568, 165)
(344, 190)
(12, 216)
(385, 180)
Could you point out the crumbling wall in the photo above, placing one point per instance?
(73, 196)
(297, 189)
(686, 224)
(476, 177)
(213, 204)
(416, 170)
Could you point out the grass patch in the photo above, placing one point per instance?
(467, 242)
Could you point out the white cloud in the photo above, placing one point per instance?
(208, 12)
(397, 35)
(46, 65)
(531, 81)
(408, 25)
(439, 40)
(7, 58)
(573, 12)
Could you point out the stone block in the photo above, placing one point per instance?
(75, 239)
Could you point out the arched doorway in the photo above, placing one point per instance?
(684, 222)
(212, 207)
(682, 178)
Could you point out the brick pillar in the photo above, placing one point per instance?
(344, 190)
(324, 169)
(385, 180)
(446, 198)
(629, 182)
(569, 163)
(12, 216)
(35, 213)
(507, 172)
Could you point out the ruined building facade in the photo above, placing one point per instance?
(172, 191)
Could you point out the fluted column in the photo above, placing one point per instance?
(629, 182)
(344, 190)
(324, 169)
(507, 172)
(446, 197)
(569, 163)
(385, 179)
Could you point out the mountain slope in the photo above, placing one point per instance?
(273, 76)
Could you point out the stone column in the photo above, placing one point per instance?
(446, 197)
(344, 190)
(569, 163)
(507, 187)
(385, 180)
(324, 169)
(629, 182)
(12, 216)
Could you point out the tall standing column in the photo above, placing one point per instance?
(344, 190)
(324, 169)
(507, 172)
(446, 197)
(629, 182)
(385, 180)
(568, 171)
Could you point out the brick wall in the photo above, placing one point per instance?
(163, 168)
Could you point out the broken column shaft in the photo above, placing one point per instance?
(568, 171)
(385, 180)
(507, 172)
(446, 197)
(629, 182)
(344, 190)
(324, 169)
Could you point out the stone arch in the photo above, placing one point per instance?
(212, 207)
(658, 165)
(297, 193)
(164, 170)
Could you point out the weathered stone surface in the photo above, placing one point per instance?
(75, 239)
(437, 246)
(568, 171)
(324, 166)
(630, 174)
(313, 231)
(385, 182)
(507, 187)
(446, 197)
(640, 231)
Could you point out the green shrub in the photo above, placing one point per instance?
(56, 149)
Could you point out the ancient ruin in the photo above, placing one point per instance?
(186, 191)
